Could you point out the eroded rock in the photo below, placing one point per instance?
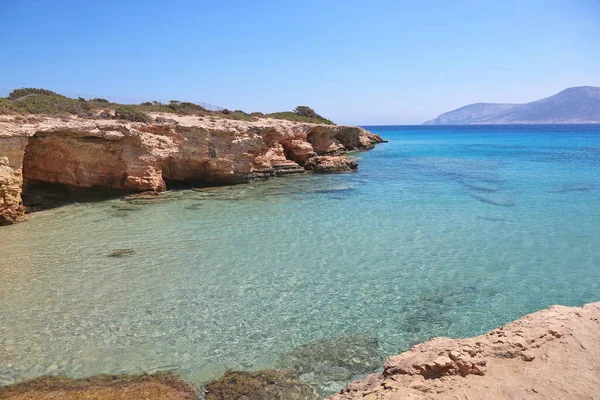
(328, 364)
(330, 164)
(73, 155)
(259, 385)
(159, 386)
(554, 353)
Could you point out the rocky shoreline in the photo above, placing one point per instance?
(553, 353)
(46, 161)
(550, 354)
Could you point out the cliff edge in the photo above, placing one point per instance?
(45, 160)
(550, 354)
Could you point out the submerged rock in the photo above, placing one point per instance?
(122, 253)
(159, 386)
(259, 385)
(328, 364)
(143, 196)
(330, 164)
(577, 187)
(494, 199)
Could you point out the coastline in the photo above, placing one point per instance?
(46, 161)
(552, 353)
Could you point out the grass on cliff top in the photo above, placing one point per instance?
(292, 116)
(42, 101)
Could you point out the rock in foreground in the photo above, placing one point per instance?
(159, 386)
(259, 385)
(550, 354)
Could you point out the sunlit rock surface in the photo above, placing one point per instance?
(49, 161)
(550, 354)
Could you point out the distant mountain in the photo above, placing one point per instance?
(574, 105)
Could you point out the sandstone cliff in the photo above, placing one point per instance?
(550, 354)
(45, 157)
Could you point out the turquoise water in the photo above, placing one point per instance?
(442, 231)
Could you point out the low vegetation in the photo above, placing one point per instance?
(130, 113)
(42, 101)
(292, 116)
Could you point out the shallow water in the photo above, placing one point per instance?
(442, 231)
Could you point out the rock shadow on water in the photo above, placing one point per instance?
(259, 385)
(430, 314)
(494, 199)
(491, 219)
(329, 364)
(335, 191)
(124, 209)
(194, 206)
(576, 187)
(120, 253)
(481, 186)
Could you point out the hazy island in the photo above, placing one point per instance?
(576, 105)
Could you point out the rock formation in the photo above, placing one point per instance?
(550, 354)
(330, 164)
(45, 159)
(158, 386)
(259, 385)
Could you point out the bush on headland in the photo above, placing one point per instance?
(43, 101)
(301, 117)
(34, 103)
(18, 93)
(130, 113)
(306, 111)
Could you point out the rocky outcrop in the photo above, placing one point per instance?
(44, 162)
(12, 148)
(259, 385)
(158, 386)
(550, 354)
(330, 164)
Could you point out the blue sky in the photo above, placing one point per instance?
(358, 62)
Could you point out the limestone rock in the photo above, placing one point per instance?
(550, 354)
(157, 386)
(330, 164)
(259, 385)
(66, 158)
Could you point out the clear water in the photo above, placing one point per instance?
(443, 231)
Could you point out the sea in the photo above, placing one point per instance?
(443, 231)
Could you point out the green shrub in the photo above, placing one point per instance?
(292, 116)
(18, 93)
(100, 100)
(306, 111)
(240, 116)
(155, 106)
(187, 108)
(7, 107)
(50, 104)
(130, 113)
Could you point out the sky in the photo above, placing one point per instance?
(353, 61)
